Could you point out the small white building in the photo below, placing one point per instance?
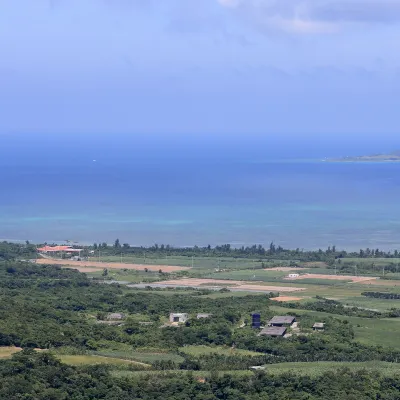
(293, 276)
(178, 317)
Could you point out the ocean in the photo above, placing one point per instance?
(186, 192)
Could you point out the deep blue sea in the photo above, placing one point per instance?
(196, 192)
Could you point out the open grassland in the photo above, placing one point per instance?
(351, 278)
(217, 283)
(196, 374)
(110, 265)
(144, 357)
(205, 350)
(198, 263)
(94, 359)
(8, 351)
(371, 303)
(318, 368)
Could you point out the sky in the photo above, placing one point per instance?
(200, 67)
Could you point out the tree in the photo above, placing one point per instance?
(105, 272)
(117, 244)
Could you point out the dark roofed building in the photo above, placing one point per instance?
(274, 331)
(281, 321)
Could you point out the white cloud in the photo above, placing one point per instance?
(314, 16)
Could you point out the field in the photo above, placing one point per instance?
(110, 265)
(318, 368)
(93, 360)
(287, 298)
(232, 285)
(201, 350)
(334, 277)
(8, 351)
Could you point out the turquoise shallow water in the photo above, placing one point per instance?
(149, 197)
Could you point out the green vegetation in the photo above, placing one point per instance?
(322, 367)
(141, 355)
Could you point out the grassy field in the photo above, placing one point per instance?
(376, 261)
(318, 368)
(200, 350)
(8, 351)
(197, 374)
(93, 359)
(145, 357)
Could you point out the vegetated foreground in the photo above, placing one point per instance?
(115, 342)
(84, 264)
(221, 283)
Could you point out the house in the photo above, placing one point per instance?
(178, 317)
(273, 331)
(293, 276)
(286, 320)
(318, 326)
(115, 317)
(203, 315)
(257, 368)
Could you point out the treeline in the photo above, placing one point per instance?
(11, 251)
(381, 295)
(30, 375)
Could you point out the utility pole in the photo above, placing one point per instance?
(144, 257)
(121, 258)
(383, 271)
(192, 262)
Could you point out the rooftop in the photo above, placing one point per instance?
(203, 315)
(278, 320)
(273, 331)
(319, 325)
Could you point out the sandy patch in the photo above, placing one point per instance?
(102, 265)
(351, 278)
(283, 269)
(215, 283)
(286, 298)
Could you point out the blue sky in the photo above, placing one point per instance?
(222, 67)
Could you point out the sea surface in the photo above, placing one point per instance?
(195, 192)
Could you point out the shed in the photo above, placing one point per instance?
(273, 331)
(178, 317)
(203, 315)
(318, 326)
(257, 368)
(115, 317)
(286, 320)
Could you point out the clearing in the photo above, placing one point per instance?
(318, 368)
(222, 350)
(351, 278)
(287, 298)
(92, 360)
(219, 284)
(111, 265)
